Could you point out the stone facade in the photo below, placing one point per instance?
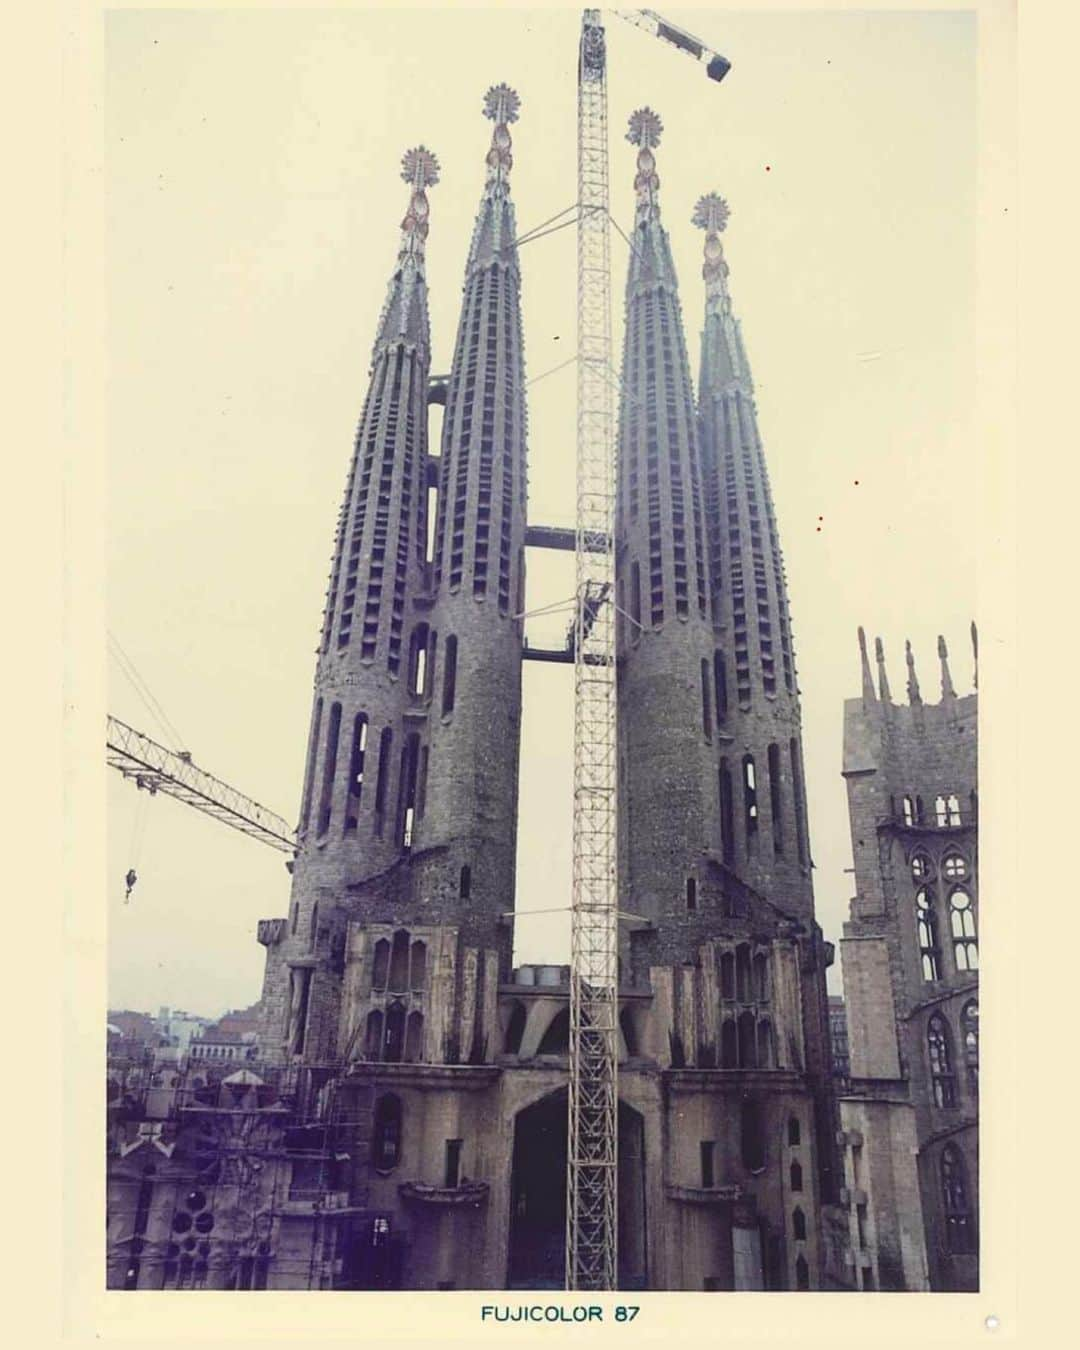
(411, 1115)
(910, 962)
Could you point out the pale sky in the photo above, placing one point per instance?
(253, 203)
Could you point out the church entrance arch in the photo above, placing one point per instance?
(537, 1255)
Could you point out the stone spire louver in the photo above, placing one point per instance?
(765, 824)
(666, 695)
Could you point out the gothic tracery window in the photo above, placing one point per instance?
(939, 1049)
(959, 1219)
(926, 929)
(969, 1029)
(962, 926)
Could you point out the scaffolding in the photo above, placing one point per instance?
(591, 1237)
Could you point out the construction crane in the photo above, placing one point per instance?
(592, 1141)
(153, 767)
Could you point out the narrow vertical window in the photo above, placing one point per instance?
(432, 510)
(635, 601)
(453, 1162)
(329, 768)
(382, 780)
(313, 926)
(387, 1150)
(959, 1218)
(969, 1029)
(940, 813)
(926, 930)
(394, 1044)
(775, 799)
(414, 1037)
(727, 814)
(794, 1133)
(309, 774)
(939, 1051)
(708, 1164)
(908, 808)
(706, 705)
(952, 810)
(750, 806)
(399, 963)
(720, 681)
(797, 800)
(962, 926)
(410, 754)
(356, 772)
(465, 882)
(417, 966)
(796, 1176)
(449, 675)
(691, 893)
(798, 1224)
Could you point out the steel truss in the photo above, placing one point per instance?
(591, 1238)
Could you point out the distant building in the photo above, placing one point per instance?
(910, 956)
(838, 1038)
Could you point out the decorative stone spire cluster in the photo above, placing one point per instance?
(645, 132)
(501, 105)
(948, 689)
(404, 316)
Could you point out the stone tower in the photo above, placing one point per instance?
(396, 940)
(910, 955)
(667, 794)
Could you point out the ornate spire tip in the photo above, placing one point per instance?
(645, 129)
(501, 104)
(711, 213)
(420, 167)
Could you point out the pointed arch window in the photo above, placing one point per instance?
(969, 1030)
(394, 1043)
(747, 1041)
(750, 795)
(727, 975)
(765, 1057)
(939, 1050)
(798, 1224)
(399, 963)
(357, 754)
(962, 926)
(959, 1217)
(417, 966)
(796, 1176)
(329, 768)
(414, 1038)
(926, 929)
(794, 1132)
(921, 869)
(373, 1036)
(761, 978)
(381, 965)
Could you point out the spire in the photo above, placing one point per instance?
(651, 263)
(975, 651)
(645, 132)
(494, 234)
(405, 315)
(868, 692)
(723, 359)
(947, 690)
(914, 696)
(883, 678)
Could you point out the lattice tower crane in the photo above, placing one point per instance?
(592, 1142)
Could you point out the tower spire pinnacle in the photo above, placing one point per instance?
(645, 131)
(711, 215)
(947, 690)
(869, 693)
(405, 316)
(883, 678)
(501, 106)
(420, 169)
(914, 694)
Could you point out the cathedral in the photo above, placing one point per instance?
(409, 1118)
(910, 957)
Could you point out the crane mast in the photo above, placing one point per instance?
(591, 1236)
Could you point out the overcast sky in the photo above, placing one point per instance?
(253, 200)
